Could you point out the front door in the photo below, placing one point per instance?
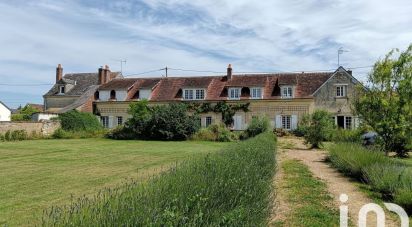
(341, 121)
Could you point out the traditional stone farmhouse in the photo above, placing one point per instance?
(5, 112)
(283, 97)
(76, 90)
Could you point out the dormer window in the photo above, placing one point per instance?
(287, 92)
(193, 94)
(256, 93)
(113, 95)
(62, 89)
(234, 93)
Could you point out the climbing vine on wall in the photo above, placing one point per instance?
(227, 110)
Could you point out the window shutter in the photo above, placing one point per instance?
(278, 120)
(294, 123)
(203, 122)
(356, 122)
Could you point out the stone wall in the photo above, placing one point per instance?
(44, 128)
(326, 96)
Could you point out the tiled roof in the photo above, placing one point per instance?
(170, 88)
(305, 84)
(124, 83)
(81, 83)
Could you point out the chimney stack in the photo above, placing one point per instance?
(350, 72)
(59, 73)
(106, 73)
(229, 72)
(101, 76)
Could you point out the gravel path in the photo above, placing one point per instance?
(337, 184)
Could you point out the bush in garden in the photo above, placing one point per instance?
(257, 125)
(79, 121)
(120, 133)
(319, 128)
(215, 132)
(159, 122)
(15, 135)
(385, 175)
(228, 188)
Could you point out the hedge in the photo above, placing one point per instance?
(229, 188)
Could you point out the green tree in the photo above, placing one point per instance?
(386, 105)
(318, 128)
(24, 113)
(159, 122)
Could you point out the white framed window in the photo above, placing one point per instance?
(200, 94)
(194, 94)
(208, 121)
(348, 122)
(341, 91)
(234, 93)
(105, 121)
(287, 122)
(287, 92)
(188, 94)
(62, 89)
(256, 93)
(120, 120)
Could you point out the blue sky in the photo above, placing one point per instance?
(269, 36)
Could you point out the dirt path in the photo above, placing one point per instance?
(337, 184)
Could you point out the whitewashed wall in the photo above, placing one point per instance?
(5, 113)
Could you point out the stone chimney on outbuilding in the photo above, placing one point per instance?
(59, 73)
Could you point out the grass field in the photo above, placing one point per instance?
(40, 173)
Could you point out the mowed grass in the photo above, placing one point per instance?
(310, 203)
(41, 173)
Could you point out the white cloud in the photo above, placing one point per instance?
(279, 35)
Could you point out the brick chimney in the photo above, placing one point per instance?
(229, 72)
(101, 75)
(350, 72)
(106, 73)
(59, 73)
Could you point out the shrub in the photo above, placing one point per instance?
(227, 188)
(79, 121)
(387, 176)
(403, 198)
(18, 135)
(15, 135)
(160, 122)
(319, 128)
(257, 125)
(384, 178)
(342, 135)
(351, 158)
(280, 132)
(60, 134)
(120, 133)
(215, 132)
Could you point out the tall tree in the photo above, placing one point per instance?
(386, 105)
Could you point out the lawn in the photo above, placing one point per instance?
(40, 173)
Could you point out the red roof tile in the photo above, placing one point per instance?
(170, 89)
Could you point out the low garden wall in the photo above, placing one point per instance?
(44, 128)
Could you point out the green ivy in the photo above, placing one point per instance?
(227, 110)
